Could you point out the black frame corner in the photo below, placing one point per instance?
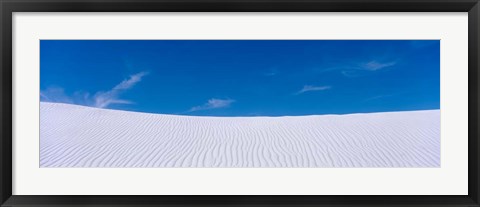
(7, 7)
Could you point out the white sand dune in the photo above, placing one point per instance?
(78, 136)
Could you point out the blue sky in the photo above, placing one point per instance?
(242, 77)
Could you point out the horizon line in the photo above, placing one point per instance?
(167, 114)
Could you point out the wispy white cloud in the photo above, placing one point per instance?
(357, 68)
(376, 65)
(272, 72)
(366, 68)
(43, 96)
(308, 88)
(101, 99)
(55, 94)
(213, 104)
(105, 98)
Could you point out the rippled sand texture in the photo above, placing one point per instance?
(78, 136)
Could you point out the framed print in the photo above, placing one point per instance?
(266, 103)
(284, 121)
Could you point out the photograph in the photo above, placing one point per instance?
(239, 103)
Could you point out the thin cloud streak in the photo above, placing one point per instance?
(272, 72)
(101, 99)
(104, 99)
(213, 104)
(355, 69)
(44, 97)
(375, 65)
(55, 94)
(308, 88)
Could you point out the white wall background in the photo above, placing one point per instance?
(451, 178)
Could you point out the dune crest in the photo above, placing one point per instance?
(78, 136)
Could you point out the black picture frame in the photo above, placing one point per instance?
(9, 6)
